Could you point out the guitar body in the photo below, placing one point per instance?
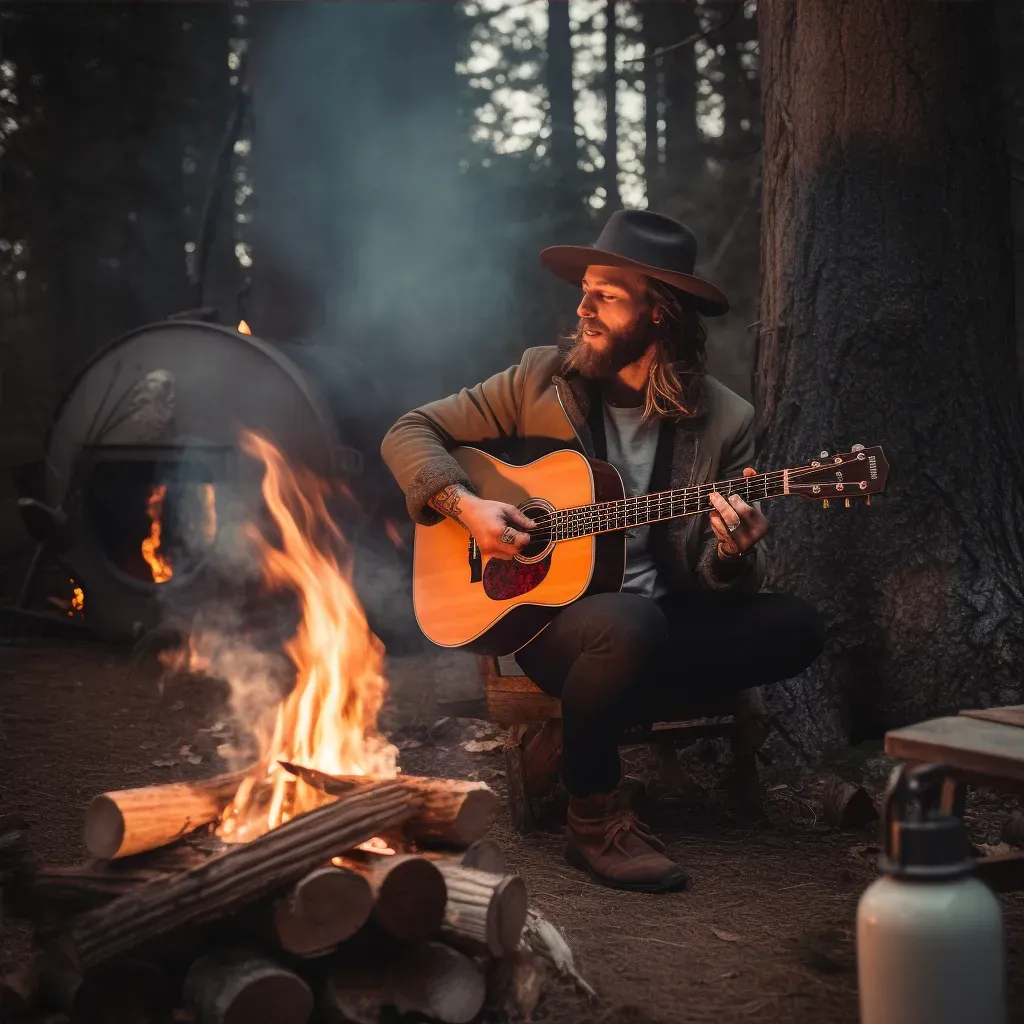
(496, 606)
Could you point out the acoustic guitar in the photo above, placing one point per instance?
(578, 548)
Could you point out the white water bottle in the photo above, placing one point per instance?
(930, 946)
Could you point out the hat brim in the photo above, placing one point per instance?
(570, 262)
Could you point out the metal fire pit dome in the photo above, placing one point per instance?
(177, 392)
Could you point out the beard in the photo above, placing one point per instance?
(624, 348)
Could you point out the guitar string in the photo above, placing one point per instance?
(586, 515)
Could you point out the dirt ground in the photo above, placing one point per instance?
(765, 934)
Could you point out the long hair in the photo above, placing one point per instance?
(681, 356)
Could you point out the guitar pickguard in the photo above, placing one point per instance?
(508, 579)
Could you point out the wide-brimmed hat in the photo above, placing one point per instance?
(657, 246)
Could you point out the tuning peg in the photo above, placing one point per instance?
(823, 455)
(857, 448)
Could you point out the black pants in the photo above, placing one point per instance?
(620, 659)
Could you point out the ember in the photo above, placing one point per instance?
(77, 599)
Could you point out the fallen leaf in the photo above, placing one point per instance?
(146, 746)
(408, 744)
(730, 974)
(727, 936)
(194, 759)
(164, 764)
(481, 746)
(178, 705)
(185, 750)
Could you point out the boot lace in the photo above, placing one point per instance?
(624, 823)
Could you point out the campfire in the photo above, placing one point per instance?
(316, 876)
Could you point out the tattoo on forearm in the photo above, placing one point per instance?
(447, 502)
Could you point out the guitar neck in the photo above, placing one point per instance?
(625, 513)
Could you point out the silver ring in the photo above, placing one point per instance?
(733, 529)
(508, 536)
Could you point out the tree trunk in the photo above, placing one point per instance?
(887, 318)
(561, 98)
(613, 201)
(683, 139)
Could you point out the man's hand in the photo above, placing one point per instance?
(737, 525)
(499, 528)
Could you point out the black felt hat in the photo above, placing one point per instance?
(657, 246)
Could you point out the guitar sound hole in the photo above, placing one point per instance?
(541, 515)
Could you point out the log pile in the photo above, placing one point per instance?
(308, 921)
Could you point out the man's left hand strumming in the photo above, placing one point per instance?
(737, 525)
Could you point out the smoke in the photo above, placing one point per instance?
(403, 265)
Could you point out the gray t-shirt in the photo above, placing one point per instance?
(632, 444)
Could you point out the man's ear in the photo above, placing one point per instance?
(657, 316)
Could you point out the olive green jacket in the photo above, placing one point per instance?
(535, 407)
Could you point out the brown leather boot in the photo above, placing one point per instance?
(615, 849)
(542, 757)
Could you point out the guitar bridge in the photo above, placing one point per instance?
(476, 571)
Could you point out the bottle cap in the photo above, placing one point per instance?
(924, 837)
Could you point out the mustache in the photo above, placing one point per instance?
(591, 324)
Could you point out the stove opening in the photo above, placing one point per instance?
(154, 520)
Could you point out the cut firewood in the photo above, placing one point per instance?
(430, 978)
(133, 820)
(484, 911)
(241, 874)
(439, 982)
(409, 893)
(327, 906)
(128, 990)
(238, 986)
(484, 855)
(450, 810)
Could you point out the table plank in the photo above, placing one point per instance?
(1013, 715)
(964, 742)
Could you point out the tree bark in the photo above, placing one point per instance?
(887, 318)
(484, 912)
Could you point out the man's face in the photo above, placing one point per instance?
(615, 327)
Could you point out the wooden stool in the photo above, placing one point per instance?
(515, 702)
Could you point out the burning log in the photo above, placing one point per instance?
(237, 986)
(484, 912)
(241, 874)
(431, 978)
(327, 906)
(409, 893)
(135, 820)
(450, 810)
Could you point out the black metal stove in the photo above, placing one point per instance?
(148, 433)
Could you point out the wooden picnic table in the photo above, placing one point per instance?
(984, 747)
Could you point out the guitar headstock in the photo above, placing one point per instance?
(858, 473)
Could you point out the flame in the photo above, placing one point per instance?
(159, 565)
(329, 719)
(243, 327)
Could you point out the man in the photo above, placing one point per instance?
(689, 623)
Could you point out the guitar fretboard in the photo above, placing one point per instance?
(644, 509)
